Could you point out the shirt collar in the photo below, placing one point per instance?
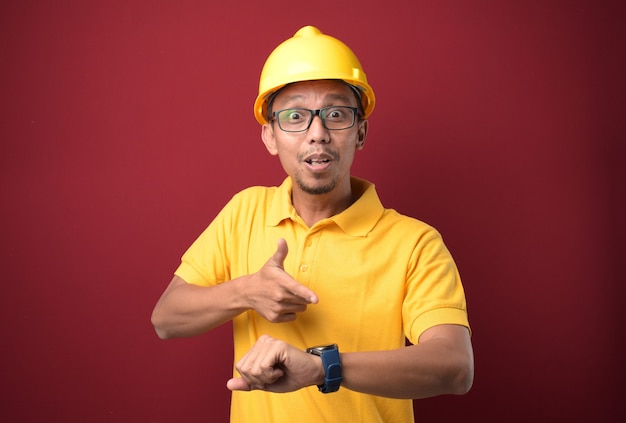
(360, 218)
(281, 207)
(357, 220)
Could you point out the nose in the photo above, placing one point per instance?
(317, 131)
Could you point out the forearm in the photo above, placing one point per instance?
(435, 367)
(186, 310)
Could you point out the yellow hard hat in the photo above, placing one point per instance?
(311, 55)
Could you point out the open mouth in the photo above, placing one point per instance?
(317, 162)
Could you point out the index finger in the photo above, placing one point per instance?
(302, 292)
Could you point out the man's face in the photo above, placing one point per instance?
(318, 159)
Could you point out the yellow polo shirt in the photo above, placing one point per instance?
(380, 277)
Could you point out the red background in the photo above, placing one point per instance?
(126, 126)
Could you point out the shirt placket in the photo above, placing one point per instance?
(306, 258)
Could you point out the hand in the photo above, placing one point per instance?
(274, 294)
(275, 366)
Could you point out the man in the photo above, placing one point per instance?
(318, 262)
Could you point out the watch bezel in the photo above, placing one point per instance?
(318, 350)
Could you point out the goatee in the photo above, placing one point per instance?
(316, 190)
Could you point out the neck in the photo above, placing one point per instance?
(315, 207)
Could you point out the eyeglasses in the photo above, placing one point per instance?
(299, 120)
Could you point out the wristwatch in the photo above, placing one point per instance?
(332, 367)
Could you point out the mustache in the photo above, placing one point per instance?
(315, 152)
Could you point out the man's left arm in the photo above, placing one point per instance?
(441, 363)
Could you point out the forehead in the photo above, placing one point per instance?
(325, 91)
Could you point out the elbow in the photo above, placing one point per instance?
(463, 377)
(457, 374)
(464, 382)
(162, 334)
(159, 325)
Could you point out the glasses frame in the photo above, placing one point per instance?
(316, 112)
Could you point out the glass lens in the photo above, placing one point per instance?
(294, 119)
(298, 120)
(338, 117)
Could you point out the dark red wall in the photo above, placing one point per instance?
(126, 125)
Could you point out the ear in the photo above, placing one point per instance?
(267, 135)
(362, 135)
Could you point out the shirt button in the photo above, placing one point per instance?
(308, 243)
(303, 267)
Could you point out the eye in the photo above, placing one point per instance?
(336, 114)
(292, 115)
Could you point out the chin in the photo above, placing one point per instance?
(316, 189)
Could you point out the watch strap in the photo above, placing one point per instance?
(331, 362)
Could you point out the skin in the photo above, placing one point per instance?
(319, 161)
(321, 189)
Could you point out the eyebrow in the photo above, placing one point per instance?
(327, 98)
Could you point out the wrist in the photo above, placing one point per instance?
(320, 374)
(331, 365)
(242, 300)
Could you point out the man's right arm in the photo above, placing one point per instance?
(186, 310)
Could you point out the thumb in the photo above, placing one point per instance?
(279, 256)
(237, 384)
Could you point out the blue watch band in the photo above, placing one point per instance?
(332, 367)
